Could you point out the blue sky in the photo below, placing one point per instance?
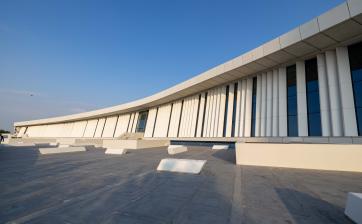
(75, 55)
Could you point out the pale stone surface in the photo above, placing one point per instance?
(340, 157)
(65, 141)
(181, 165)
(216, 147)
(45, 151)
(116, 151)
(354, 207)
(96, 188)
(134, 144)
(63, 146)
(175, 149)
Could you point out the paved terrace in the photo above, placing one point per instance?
(90, 187)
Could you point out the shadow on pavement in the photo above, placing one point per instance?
(305, 208)
(226, 155)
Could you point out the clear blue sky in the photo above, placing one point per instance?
(75, 56)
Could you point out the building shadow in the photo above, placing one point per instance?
(227, 155)
(305, 208)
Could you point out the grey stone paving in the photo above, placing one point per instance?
(90, 187)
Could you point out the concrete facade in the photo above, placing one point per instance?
(222, 103)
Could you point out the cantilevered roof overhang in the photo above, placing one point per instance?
(340, 26)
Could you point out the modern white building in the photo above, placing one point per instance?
(306, 83)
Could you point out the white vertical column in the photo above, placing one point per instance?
(242, 108)
(186, 117)
(207, 112)
(238, 110)
(194, 116)
(346, 90)
(269, 103)
(230, 110)
(263, 106)
(213, 114)
(191, 118)
(258, 105)
(323, 95)
(334, 98)
(135, 122)
(275, 103)
(130, 123)
(248, 102)
(217, 112)
(175, 119)
(302, 100)
(200, 116)
(283, 122)
(221, 111)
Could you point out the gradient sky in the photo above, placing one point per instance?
(69, 56)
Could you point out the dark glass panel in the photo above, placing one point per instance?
(253, 108)
(292, 106)
(142, 121)
(359, 118)
(292, 126)
(357, 75)
(292, 91)
(313, 104)
(357, 91)
(315, 129)
(312, 85)
(355, 60)
(355, 56)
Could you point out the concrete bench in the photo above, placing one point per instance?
(116, 151)
(46, 151)
(181, 165)
(354, 207)
(217, 147)
(175, 149)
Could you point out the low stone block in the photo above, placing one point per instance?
(45, 151)
(65, 141)
(116, 151)
(217, 147)
(21, 144)
(63, 146)
(175, 149)
(181, 165)
(354, 207)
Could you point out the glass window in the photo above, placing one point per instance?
(355, 59)
(142, 120)
(313, 105)
(253, 108)
(292, 106)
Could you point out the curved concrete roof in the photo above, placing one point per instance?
(340, 26)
